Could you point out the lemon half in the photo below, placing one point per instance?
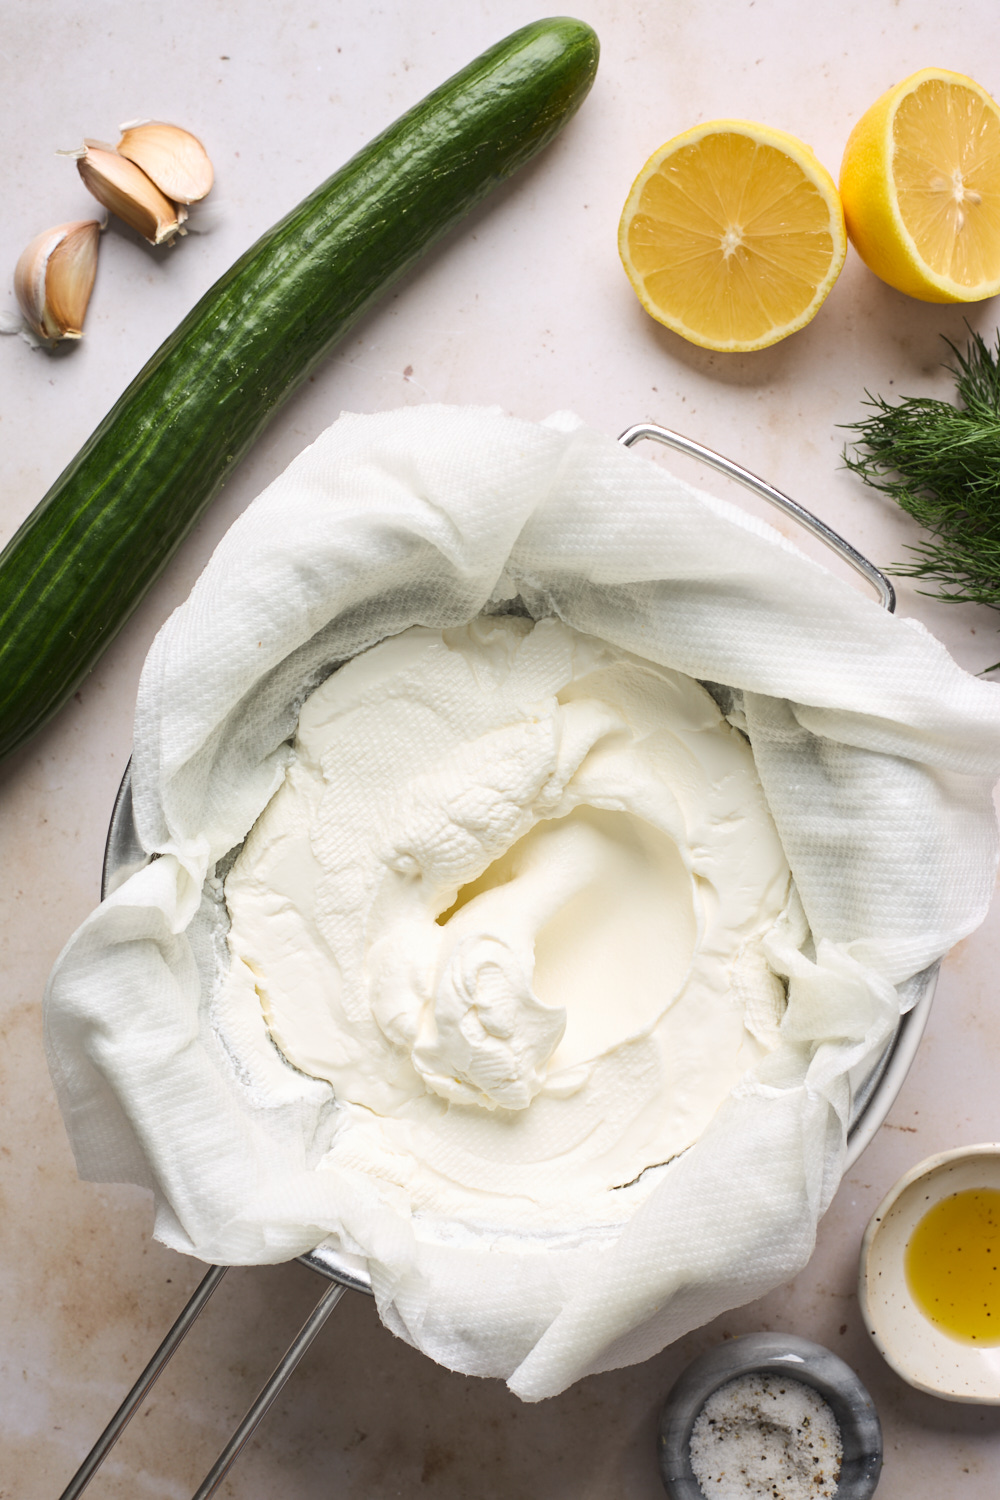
(920, 183)
(733, 235)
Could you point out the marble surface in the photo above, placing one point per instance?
(524, 306)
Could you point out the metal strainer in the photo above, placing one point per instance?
(873, 1095)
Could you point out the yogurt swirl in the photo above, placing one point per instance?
(510, 903)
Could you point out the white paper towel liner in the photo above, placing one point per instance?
(876, 752)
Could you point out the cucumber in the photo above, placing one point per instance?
(76, 569)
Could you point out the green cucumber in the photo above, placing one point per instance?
(76, 569)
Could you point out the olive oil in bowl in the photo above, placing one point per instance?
(952, 1265)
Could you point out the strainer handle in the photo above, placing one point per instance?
(144, 1384)
(843, 549)
(310, 1328)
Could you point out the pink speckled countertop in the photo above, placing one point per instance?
(526, 307)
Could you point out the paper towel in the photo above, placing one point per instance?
(876, 752)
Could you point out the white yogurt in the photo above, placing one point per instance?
(509, 903)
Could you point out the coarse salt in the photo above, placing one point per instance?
(765, 1437)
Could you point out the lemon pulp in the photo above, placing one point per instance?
(952, 1265)
(946, 164)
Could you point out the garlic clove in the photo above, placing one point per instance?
(171, 157)
(126, 190)
(54, 277)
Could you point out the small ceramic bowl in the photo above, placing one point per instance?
(797, 1359)
(924, 1355)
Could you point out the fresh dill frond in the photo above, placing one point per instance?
(941, 463)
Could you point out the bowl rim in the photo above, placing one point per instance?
(930, 1166)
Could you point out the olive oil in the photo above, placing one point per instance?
(952, 1265)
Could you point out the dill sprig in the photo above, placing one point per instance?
(941, 463)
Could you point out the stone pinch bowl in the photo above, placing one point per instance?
(925, 1356)
(796, 1359)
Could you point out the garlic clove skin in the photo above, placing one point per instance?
(126, 190)
(171, 157)
(54, 277)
